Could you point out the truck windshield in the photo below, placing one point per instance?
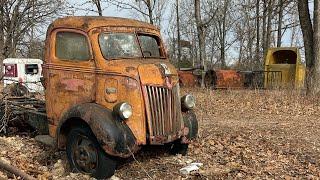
(125, 45)
(119, 45)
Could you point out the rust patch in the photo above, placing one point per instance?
(128, 69)
(85, 25)
(96, 31)
(72, 84)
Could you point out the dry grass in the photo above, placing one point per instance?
(243, 134)
(261, 134)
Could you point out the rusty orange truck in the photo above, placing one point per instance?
(110, 89)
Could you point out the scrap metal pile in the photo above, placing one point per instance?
(283, 68)
(22, 113)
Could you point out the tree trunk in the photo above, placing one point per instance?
(264, 25)
(1, 40)
(250, 51)
(150, 13)
(294, 32)
(270, 5)
(257, 54)
(280, 16)
(178, 34)
(201, 39)
(316, 46)
(223, 33)
(97, 3)
(307, 31)
(240, 52)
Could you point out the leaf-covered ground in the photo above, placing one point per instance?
(243, 134)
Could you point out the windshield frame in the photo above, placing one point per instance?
(136, 34)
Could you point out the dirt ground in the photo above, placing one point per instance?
(243, 134)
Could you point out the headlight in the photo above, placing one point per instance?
(188, 102)
(124, 110)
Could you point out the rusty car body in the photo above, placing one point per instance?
(187, 78)
(226, 79)
(85, 84)
(215, 79)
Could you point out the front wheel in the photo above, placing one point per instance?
(86, 156)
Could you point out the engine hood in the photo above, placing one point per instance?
(148, 71)
(158, 74)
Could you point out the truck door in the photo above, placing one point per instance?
(69, 75)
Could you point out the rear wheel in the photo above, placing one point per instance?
(86, 156)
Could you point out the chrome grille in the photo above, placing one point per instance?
(163, 110)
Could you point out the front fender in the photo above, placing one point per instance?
(191, 123)
(114, 136)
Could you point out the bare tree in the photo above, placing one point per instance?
(307, 30)
(257, 54)
(178, 33)
(201, 38)
(248, 27)
(150, 9)
(188, 32)
(97, 3)
(267, 24)
(18, 17)
(2, 31)
(280, 17)
(89, 6)
(222, 26)
(316, 46)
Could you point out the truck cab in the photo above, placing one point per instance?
(110, 89)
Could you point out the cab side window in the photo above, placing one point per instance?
(72, 46)
(150, 46)
(32, 69)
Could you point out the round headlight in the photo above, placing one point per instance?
(124, 110)
(188, 101)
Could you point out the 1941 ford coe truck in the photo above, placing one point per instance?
(109, 90)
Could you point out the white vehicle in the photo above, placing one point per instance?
(25, 72)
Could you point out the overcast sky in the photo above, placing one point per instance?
(112, 10)
(107, 10)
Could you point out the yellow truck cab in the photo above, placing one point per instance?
(109, 90)
(284, 68)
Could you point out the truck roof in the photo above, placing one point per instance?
(86, 23)
(274, 49)
(22, 61)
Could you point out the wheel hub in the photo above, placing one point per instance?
(85, 155)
